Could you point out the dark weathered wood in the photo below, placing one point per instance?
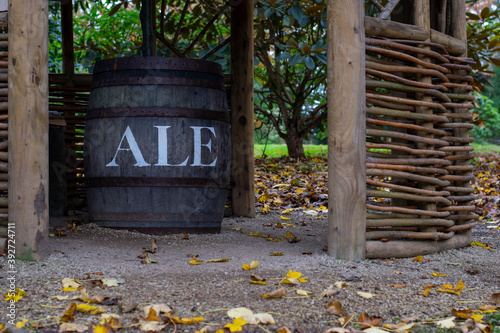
(346, 129)
(242, 163)
(157, 155)
(4, 21)
(68, 52)
(28, 126)
(390, 29)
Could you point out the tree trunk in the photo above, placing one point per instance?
(295, 147)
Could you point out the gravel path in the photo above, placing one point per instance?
(210, 289)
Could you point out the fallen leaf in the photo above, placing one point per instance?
(437, 274)
(284, 329)
(329, 292)
(186, 321)
(368, 321)
(256, 234)
(129, 307)
(22, 323)
(285, 218)
(195, 261)
(495, 297)
(311, 212)
(71, 284)
(279, 225)
(405, 328)
(276, 253)
(102, 328)
(335, 309)
(467, 325)
(303, 292)
(262, 318)
(488, 308)
(418, 259)
(374, 330)
(245, 313)
(253, 265)
(257, 278)
(307, 253)
(85, 308)
(428, 287)
(365, 295)
(448, 288)
(397, 285)
(471, 271)
(71, 327)
(291, 238)
(236, 325)
(340, 284)
(112, 282)
(446, 323)
(158, 308)
(68, 315)
(60, 298)
(464, 313)
(275, 294)
(186, 236)
(218, 260)
(151, 326)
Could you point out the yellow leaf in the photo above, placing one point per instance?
(418, 259)
(195, 261)
(102, 328)
(253, 265)
(462, 313)
(218, 260)
(187, 321)
(256, 234)
(276, 253)
(477, 318)
(279, 225)
(16, 296)
(152, 315)
(488, 308)
(285, 218)
(85, 308)
(68, 315)
(365, 295)
(287, 211)
(437, 274)
(303, 292)
(20, 324)
(427, 289)
(446, 323)
(258, 282)
(236, 325)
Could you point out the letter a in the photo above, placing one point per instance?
(134, 148)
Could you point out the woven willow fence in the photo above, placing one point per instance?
(418, 147)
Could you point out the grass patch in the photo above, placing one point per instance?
(273, 151)
(279, 150)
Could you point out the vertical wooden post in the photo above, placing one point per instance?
(68, 50)
(148, 23)
(346, 130)
(28, 126)
(459, 30)
(242, 162)
(422, 18)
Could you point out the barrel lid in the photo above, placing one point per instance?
(158, 63)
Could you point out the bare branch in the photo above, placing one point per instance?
(389, 7)
(377, 4)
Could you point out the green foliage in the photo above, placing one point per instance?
(55, 38)
(487, 120)
(483, 38)
(290, 51)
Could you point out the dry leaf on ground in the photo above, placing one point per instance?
(368, 321)
(71, 327)
(335, 309)
(275, 294)
(446, 323)
(253, 265)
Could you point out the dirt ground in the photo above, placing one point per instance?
(210, 289)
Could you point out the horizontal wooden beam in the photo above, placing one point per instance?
(390, 29)
(77, 79)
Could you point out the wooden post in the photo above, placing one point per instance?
(68, 51)
(242, 162)
(422, 18)
(346, 130)
(148, 23)
(459, 31)
(28, 126)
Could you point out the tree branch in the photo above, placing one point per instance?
(389, 7)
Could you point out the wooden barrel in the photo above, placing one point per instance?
(157, 145)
